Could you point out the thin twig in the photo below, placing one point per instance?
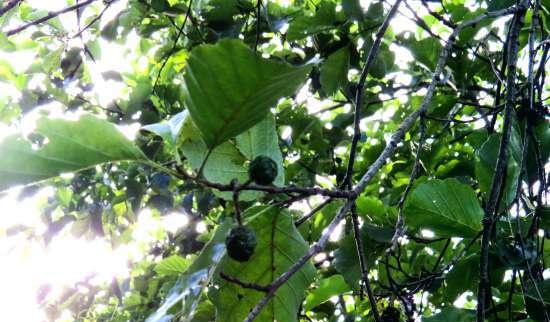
(10, 5)
(313, 250)
(313, 211)
(363, 264)
(243, 284)
(258, 23)
(400, 224)
(373, 52)
(172, 51)
(235, 184)
(96, 19)
(49, 16)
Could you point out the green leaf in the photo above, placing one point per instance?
(451, 314)
(64, 146)
(279, 246)
(169, 130)
(305, 25)
(425, 51)
(334, 71)
(172, 266)
(352, 9)
(499, 4)
(486, 160)
(188, 289)
(224, 164)
(228, 88)
(447, 207)
(537, 299)
(346, 261)
(262, 139)
(464, 276)
(370, 206)
(328, 287)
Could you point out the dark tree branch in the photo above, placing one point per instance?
(363, 264)
(400, 224)
(438, 16)
(258, 23)
(373, 52)
(173, 50)
(315, 210)
(243, 284)
(10, 5)
(305, 191)
(491, 209)
(49, 16)
(96, 19)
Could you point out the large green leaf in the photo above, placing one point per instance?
(224, 163)
(464, 275)
(447, 207)
(262, 139)
(305, 25)
(61, 146)
(425, 51)
(486, 160)
(334, 71)
(228, 88)
(537, 299)
(279, 246)
(188, 289)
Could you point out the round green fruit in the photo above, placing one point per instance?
(262, 170)
(240, 243)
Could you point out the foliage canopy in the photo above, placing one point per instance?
(408, 141)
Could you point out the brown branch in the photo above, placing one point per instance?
(10, 5)
(305, 191)
(96, 19)
(438, 16)
(47, 17)
(363, 264)
(243, 284)
(312, 212)
(400, 224)
(373, 52)
(172, 51)
(491, 209)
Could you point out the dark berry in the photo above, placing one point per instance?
(262, 170)
(240, 243)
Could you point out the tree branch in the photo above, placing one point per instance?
(180, 32)
(10, 5)
(49, 16)
(243, 284)
(363, 264)
(491, 208)
(400, 224)
(359, 92)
